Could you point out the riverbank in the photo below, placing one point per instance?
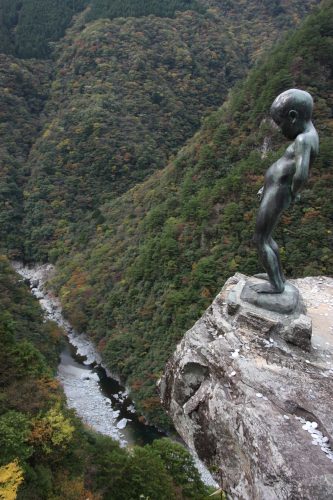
(90, 389)
(97, 397)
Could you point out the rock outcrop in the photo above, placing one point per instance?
(252, 403)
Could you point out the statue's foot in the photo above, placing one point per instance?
(264, 276)
(266, 288)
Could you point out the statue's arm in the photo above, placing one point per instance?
(302, 159)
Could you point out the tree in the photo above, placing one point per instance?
(180, 465)
(52, 432)
(11, 476)
(14, 432)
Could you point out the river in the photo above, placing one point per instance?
(91, 390)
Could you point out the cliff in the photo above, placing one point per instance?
(253, 405)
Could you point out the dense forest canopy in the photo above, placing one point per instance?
(127, 8)
(119, 98)
(29, 28)
(126, 94)
(24, 89)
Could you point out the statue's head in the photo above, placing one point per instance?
(291, 110)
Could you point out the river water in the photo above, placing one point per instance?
(91, 390)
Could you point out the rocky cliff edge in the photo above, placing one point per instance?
(253, 405)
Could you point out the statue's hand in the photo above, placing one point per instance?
(260, 193)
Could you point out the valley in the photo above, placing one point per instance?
(134, 138)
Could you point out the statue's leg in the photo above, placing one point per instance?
(271, 263)
(275, 247)
(268, 250)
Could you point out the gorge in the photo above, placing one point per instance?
(133, 138)
(91, 390)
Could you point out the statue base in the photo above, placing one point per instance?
(283, 314)
(286, 302)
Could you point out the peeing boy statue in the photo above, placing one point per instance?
(291, 111)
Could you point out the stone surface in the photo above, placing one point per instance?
(299, 332)
(254, 405)
(283, 313)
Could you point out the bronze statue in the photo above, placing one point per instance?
(292, 112)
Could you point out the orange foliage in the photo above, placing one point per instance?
(48, 385)
(150, 403)
(286, 220)
(56, 333)
(78, 278)
(255, 179)
(40, 433)
(136, 385)
(248, 216)
(205, 293)
(310, 214)
(101, 345)
(74, 489)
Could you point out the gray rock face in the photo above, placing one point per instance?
(253, 404)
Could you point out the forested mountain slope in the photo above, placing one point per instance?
(127, 8)
(163, 250)
(120, 96)
(126, 94)
(27, 27)
(46, 453)
(23, 92)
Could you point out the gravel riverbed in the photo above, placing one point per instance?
(79, 380)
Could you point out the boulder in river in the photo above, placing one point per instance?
(122, 423)
(90, 376)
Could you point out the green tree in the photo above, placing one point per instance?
(180, 465)
(14, 432)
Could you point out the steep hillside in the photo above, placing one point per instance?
(127, 94)
(162, 251)
(45, 450)
(23, 92)
(28, 27)
(139, 8)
